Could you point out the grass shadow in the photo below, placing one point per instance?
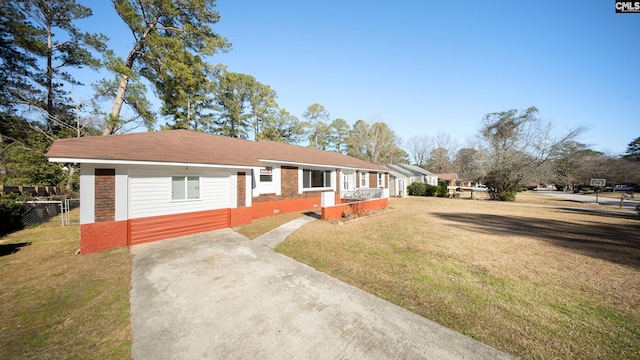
(601, 213)
(8, 249)
(616, 244)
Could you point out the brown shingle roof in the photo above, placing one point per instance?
(448, 176)
(183, 146)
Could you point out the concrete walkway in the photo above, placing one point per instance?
(218, 295)
(277, 235)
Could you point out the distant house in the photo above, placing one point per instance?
(398, 183)
(401, 172)
(451, 179)
(417, 173)
(142, 187)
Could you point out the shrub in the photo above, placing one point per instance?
(508, 196)
(442, 188)
(11, 211)
(430, 190)
(417, 189)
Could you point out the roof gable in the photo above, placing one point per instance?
(399, 170)
(183, 146)
(416, 170)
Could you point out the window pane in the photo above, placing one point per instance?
(327, 178)
(306, 179)
(193, 187)
(177, 188)
(317, 178)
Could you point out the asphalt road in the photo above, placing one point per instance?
(627, 204)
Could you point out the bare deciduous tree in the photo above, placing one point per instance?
(519, 143)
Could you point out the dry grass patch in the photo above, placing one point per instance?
(58, 305)
(536, 282)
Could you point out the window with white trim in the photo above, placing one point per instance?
(380, 180)
(266, 174)
(348, 180)
(316, 179)
(364, 179)
(185, 187)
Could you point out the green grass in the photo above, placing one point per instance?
(58, 305)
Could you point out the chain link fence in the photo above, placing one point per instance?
(71, 217)
(40, 211)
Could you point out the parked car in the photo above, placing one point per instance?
(622, 188)
(608, 189)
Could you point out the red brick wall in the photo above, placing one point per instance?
(96, 237)
(242, 189)
(105, 195)
(358, 207)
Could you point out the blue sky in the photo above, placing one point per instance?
(428, 67)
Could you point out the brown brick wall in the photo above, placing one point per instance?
(289, 181)
(105, 195)
(373, 180)
(242, 189)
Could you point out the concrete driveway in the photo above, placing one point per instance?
(218, 295)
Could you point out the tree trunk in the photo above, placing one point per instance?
(3, 168)
(49, 110)
(111, 125)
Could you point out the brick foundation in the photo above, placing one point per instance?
(358, 207)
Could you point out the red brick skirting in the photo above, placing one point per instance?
(355, 208)
(103, 235)
(270, 208)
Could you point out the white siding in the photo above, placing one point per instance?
(150, 193)
(87, 194)
(273, 187)
(122, 201)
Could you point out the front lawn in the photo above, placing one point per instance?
(58, 305)
(536, 282)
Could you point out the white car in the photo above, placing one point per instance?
(622, 188)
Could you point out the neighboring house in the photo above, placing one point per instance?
(142, 187)
(398, 183)
(450, 179)
(468, 183)
(425, 176)
(409, 175)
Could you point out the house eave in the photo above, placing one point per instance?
(327, 166)
(139, 162)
